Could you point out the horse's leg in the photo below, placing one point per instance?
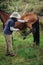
(24, 34)
(36, 32)
(28, 32)
(34, 36)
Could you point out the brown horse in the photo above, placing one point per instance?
(32, 23)
(4, 17)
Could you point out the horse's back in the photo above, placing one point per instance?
(31, 18)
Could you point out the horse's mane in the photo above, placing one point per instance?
(5, 12)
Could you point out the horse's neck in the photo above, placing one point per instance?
(4, 17)
(25, 15)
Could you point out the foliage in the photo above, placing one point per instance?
(19, 5)
(38, 9)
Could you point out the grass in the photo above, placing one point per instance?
(26, 55)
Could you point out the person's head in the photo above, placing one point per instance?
(15, 15)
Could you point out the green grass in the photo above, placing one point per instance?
(26, 55)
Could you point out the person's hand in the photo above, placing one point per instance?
(16, 29)
(26, 20)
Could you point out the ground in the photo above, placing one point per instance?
(26, 55)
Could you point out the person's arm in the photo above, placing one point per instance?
(12, 26)
(13, 29)
(21, 21)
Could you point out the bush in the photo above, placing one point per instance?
(38, 9)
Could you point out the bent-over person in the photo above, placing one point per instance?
(9, 28)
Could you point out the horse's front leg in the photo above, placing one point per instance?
(23, 33)
(30, 31)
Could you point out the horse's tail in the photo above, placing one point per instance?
(36, 34)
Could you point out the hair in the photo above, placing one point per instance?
(15, 19)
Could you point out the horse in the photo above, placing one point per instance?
(4, 17)
(32, 23)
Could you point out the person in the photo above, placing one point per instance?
(9, 28)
